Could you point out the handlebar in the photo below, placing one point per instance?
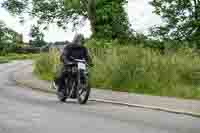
(79, 60)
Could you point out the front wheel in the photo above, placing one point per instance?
(83, 93)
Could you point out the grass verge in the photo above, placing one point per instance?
(3, 61)
(14, 56)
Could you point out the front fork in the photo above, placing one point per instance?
(76, 83)
(83, 77)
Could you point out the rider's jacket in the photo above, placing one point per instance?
(75, 51)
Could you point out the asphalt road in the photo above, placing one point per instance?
(25, 111)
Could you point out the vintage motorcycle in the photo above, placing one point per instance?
(77, 86)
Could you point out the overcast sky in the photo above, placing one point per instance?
(139, 12)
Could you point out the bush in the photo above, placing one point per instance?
(99, 43)
(6, 48)
(27, 50)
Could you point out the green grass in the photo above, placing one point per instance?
(138, 70)
(14, 56)
(3, 61)
(47, 65)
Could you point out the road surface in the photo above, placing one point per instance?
(25, 111)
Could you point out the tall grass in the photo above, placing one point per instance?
(47, 65)
(139, 70)
(146, 71)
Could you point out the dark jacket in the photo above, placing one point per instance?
(75, 51)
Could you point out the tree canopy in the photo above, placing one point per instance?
(8, 38)
(181, 19)
(37, 37)
(107, 17)
(7, 35)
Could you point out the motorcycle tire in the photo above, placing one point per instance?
(87, 90)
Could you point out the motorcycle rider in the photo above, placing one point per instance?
(75, 50)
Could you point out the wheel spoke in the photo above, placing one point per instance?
(82, 90)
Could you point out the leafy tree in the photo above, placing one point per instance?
(37, 37)
(8, 39)
(2, 28)
(112, 20)
(181, 17)
(107, 17)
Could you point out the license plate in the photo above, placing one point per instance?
(81, 66)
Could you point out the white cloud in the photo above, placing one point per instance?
(51, 35)
(141, 16)
(139, 11)
(13, 22)
(57, 34)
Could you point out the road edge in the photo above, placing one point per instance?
(21, 83)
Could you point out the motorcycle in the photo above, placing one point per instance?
(77, 86)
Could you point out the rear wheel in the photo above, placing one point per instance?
(61, 94)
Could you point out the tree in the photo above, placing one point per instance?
(37, 37)
(181, 17)
(19, 39)
(2, 29)
(8, 39)
(107, 17)
(7, 34)
(112, 20)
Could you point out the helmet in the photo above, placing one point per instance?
(78, 39)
